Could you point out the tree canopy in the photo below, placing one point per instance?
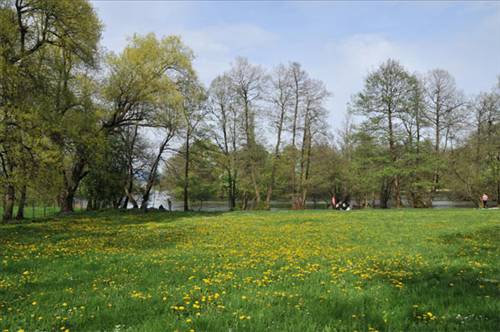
(78, 121)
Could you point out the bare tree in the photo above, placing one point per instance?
(225, 130)
(314, 123)
(192, 114)
(281, 99)
(444, 106)
(249, 83)
(299, 80)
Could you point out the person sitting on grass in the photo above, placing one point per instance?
(484, 199)
(343, 205)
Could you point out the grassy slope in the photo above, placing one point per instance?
(391, 270)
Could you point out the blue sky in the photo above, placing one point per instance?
(337, 42)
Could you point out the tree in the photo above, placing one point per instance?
(328, 174)
(249, 83)
(193, 112)
(444, 111)
(33, 33)
(203, 176)
(369, 169)
(300, 78)
(481, 152)
(384, 97)
(225, 128)
(281, 103)
(415, 162)
(143, 89)
(103, 186)
(315, 95)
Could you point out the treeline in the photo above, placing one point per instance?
(79, 121)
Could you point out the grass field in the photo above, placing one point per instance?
(394, 270)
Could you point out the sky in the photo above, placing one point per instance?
(337, 42)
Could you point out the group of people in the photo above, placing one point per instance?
(340, 205)
(344, 204)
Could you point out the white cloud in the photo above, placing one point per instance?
(345, 63)
(216, 46)
(469, 53)
(471, 56)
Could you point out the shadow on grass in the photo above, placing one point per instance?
(108, 231)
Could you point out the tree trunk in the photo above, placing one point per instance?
(21, 204)
(244, 201)
(233, 192)
(230, 191)
(67, 199)
(8, 203)
(130, 175)
(71, 182)
(394, 157)
(397, 191)
(435, 177)
(186, 175)
(152, 174)
(124, 204)
(231, 201)
(307, 167)
(275, 159)
(250, 149)
(130, 198)
(300, 193)
(90, 204)
(294, 135)
(385, 193)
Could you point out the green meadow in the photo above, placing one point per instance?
(369, 270)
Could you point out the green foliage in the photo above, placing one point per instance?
(103, 186)
(64, 105)
(47, 49)
(143, 80)
(204, 174)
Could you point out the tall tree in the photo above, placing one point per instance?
(142, 88)
(415, 161)
(226, 131)
(444, 106)
(300, 78)
(32, 33)
(193, 113)
(314, 119)
(249, 83)
(384, 96)
(281, 99)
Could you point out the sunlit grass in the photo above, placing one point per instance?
(396, 270)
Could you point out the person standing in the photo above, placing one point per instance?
(169, 202)
(334, 202)
(485, 198)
